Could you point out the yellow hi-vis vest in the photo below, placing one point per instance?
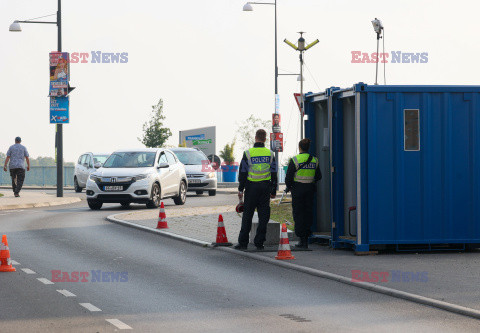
(307, 173)
(259, 163)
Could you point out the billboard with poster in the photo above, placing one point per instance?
(276, 142)
(276, 127)
(59, 73)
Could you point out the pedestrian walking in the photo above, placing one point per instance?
(302, 174)
(16, 155)
(258, 178)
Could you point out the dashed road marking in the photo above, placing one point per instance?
(66, 293)
(118, 324)
(44, 281)
(28, 271)
(90, 307)
(15, 262)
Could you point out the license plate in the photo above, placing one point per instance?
(113, 188)
(194, 181)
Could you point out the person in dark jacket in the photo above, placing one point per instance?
(258, 178)
(302, 174)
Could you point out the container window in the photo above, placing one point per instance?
(411, 129)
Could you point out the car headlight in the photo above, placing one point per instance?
(93, 177)
(211, 175)
(139, 177)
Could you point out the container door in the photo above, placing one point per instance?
(323, 139)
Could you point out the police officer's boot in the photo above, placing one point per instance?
(303, 244)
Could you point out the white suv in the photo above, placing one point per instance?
(86, 164)
(138, 176)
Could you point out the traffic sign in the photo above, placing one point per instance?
(298, 99)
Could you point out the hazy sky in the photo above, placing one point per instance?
(211, 62)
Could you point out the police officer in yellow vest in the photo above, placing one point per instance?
(302, 174)
(258, 177)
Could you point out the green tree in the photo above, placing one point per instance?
(227, 153)
(246, 130)
(154, 133)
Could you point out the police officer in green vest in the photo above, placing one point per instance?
(258, 178)
(302, 174)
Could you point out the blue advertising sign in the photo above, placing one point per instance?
(195, 137)
(59, 110)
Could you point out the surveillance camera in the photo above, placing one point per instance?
(377, 26)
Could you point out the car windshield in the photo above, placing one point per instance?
(131, 159)
(191, 157)
(100, 158)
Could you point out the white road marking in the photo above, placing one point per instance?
(15, 262)
(66, 293)
(90, 307)
(28, 271)
(44, 281)
(118, 324)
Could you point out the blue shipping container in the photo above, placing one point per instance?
(400, 165)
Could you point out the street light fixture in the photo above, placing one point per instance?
(15, 27)
(378, 28)
(301, 48)
(247, 7)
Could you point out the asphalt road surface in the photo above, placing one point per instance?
(164, 285)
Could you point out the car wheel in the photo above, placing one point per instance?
(199, 192)
(77, 187)
(182, 194)
(125, 204)
(94, 204)
(154, 202)
(212, 193)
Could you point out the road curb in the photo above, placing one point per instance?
(41, 204)
(322, 274)
(193, 241)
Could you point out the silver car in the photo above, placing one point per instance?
(138, 176)
(86, 164)
(200, 174)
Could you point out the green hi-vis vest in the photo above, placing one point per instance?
(259, 163)
(307, 173)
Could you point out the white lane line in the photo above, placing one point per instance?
(118, 324)
(90, 307)
(28, 271)
(66, 293)
(44, 281)
(15, 262)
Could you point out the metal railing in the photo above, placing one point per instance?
(47, 176)
(41, 176)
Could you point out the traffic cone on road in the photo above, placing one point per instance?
(5, 261)
(162, 218)
(222, 239)
(284, 252)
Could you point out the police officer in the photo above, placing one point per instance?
(302, 174)
(258, 177)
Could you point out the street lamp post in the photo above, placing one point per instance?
(248, 8)
(15, 27)
(301, 48)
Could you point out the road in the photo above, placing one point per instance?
(173, 286)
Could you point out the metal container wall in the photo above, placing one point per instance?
(411, 168)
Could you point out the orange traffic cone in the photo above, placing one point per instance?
(222, 239)
(162, 218)
(5, 261)
(284, 252)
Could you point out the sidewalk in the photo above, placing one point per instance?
(32, 200)
(445, 276)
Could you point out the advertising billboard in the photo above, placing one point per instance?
(202, 138)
